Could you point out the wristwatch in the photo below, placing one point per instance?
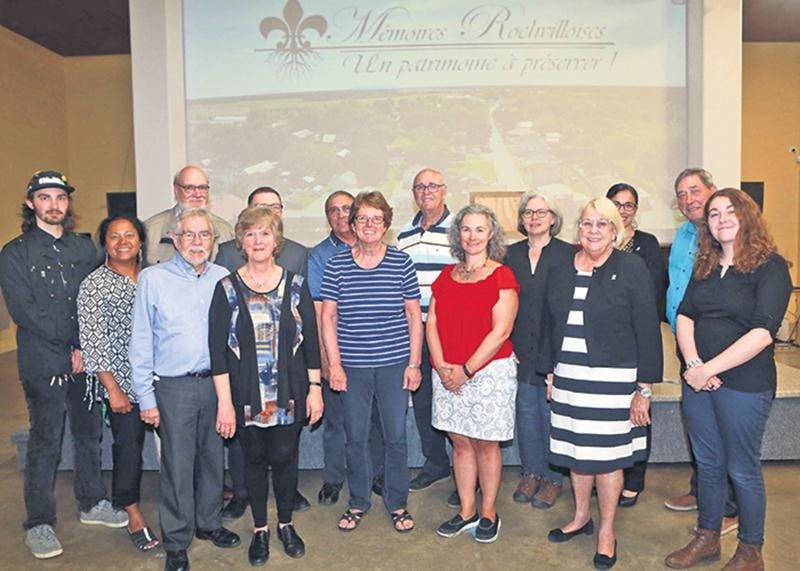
(646, 392)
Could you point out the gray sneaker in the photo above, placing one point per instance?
(42, 542)
(105, 514)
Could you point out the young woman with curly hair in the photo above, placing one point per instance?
(726, 327)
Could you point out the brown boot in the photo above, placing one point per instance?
(703, 547)
(547, 495)
(528, 484)
(746, 558)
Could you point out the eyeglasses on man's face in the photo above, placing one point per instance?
(189, 236)
(193, 188)
(339, 210)
(277, 207)
(430, 187)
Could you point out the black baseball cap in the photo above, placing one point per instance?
(49, 179)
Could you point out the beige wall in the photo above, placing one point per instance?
(770, 126)
(69, 114)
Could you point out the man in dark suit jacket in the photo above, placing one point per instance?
(293, 255)
(294, 258)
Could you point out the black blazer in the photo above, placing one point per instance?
(292, 372)
(646, 246)
(527, 332)
(620, 321)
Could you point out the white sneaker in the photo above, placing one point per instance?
(105, 514)
(42, 542)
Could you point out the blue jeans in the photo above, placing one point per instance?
(533, 432)
(333, 438)
(385, 386)
(726, 428)
(432, 441)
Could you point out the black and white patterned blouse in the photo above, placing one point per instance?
(105, 306)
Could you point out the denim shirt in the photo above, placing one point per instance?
(681, 262)
(319, 256)
(169, 335)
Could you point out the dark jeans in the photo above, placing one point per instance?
(726, 428)
(128, 430)
(333, 438)
(533, 432)
(46, 407)
(731, 509)
(276, 447)
(634, 476)
(190, 481)
(385, 385)
(432, 441)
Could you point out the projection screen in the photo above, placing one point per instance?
(564, 97)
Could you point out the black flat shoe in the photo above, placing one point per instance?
(377, 485)
(177, 561)
(626, 502)
(258, 553)
(220, 537)
(329, 494)
(300, 504)
(235, 509)
(293, 545)
(558, 535)
(604, 561)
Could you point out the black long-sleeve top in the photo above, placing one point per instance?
(725, 308)
(527, 332)
(40, 276)
(620, 320)
(646, 246)
(243, 370)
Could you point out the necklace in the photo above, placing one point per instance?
(467, 273)
(259, 284)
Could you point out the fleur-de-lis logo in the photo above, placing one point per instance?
(293, 51)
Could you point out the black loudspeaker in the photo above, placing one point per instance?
(756, 191)
(121, 203)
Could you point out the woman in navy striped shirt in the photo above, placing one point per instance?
(372, 331)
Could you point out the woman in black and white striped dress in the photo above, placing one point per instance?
(603, 354)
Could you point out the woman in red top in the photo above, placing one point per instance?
(471, 314)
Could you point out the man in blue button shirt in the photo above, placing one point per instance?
(693, 187)
(172, 381)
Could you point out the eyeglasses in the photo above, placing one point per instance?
(338, 210)
(189, 236)
(274, 207)
(430, 187)
(602, 225)
(625, 206)
(192, 188)
(540, 213)
(363, 219)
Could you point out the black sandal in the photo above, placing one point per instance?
(400, 518)
(144, 539)
(349, 517)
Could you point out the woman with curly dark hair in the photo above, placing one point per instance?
(726, 327)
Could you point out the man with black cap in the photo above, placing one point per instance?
(40, 271)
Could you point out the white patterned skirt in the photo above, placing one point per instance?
(484, 409)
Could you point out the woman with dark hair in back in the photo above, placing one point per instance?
(726, 329)
(646, 246)
(105, 304)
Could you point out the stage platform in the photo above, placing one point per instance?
(781, 441)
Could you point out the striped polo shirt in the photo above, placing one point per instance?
(372, 329)
(430, 250)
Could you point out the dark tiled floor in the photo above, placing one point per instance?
(646, 532)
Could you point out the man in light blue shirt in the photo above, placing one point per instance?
(693, 188)
(173, 385)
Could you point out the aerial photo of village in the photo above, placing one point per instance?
(569, 142)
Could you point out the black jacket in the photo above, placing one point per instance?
(620, 321)
(646, 246)
(527, 333)
(292, 372)
(40, 276)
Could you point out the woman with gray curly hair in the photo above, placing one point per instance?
(471, 314)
